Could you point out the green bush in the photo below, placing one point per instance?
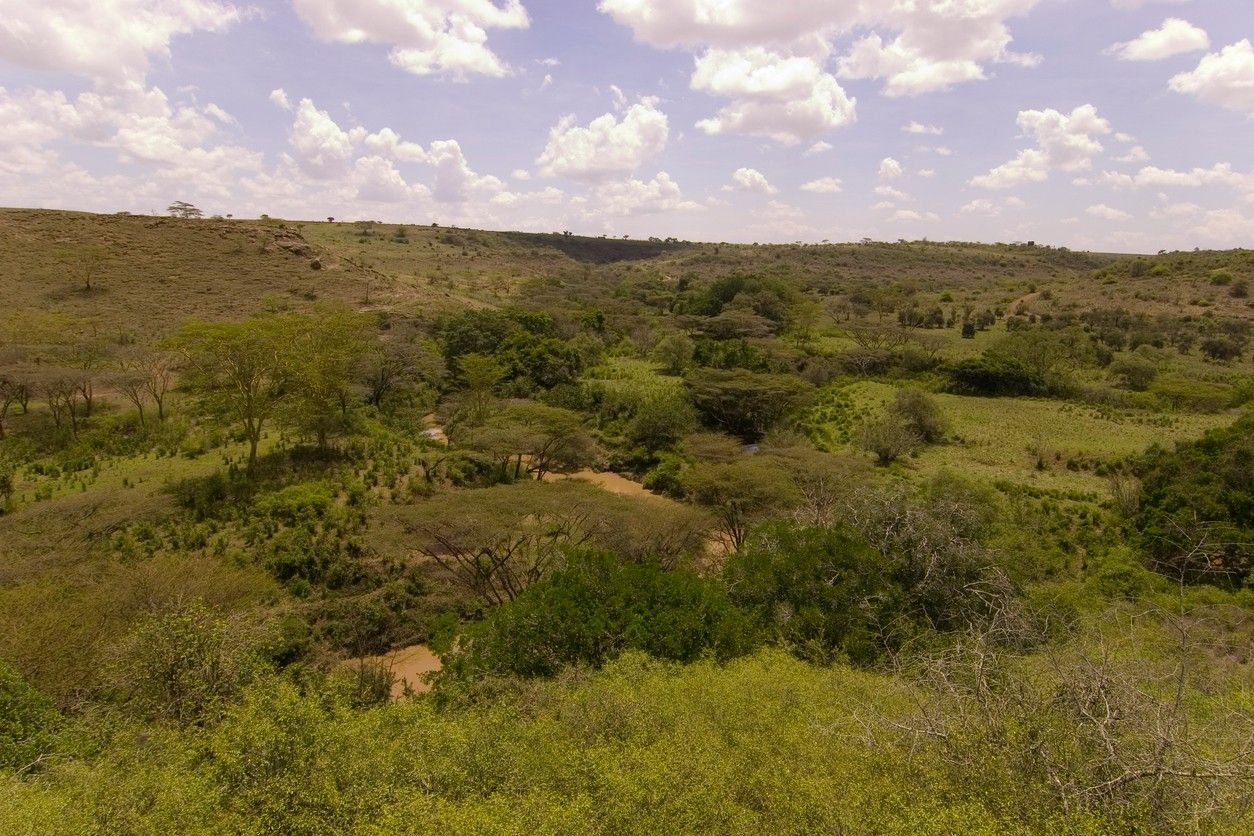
(595, 609)
(820, 592)
(28, 722)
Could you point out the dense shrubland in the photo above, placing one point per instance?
(752, 539)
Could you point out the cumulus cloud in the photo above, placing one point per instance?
(937, 46)
(1063, 141)
(1224, 78)
(1107, 213)
(892, 193)
(818, 148)
(1174, 37)
(279, 98)
(981, 206)
(920, 128)
(824, 185)
(642, 197)
(1136, 154)
(455, 182)
(1220, 174)
(750, 180)
(108, 41)
(320, 147)
(447, 37)
(787, 98)
(607, 147)
(913, 215)
(890, 169)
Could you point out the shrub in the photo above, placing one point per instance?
(921, 413)
(28, 721)
(994, 376)
(889, 438)
(819, 591)
(597, 608)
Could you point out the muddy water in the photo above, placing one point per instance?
(408, 665)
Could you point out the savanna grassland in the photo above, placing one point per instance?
(873, 538)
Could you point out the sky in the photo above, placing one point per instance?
(1115, 125)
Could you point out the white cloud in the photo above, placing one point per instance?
(920, 128)
(1136, 154)
(892, 193)
(378, 181)
(1225, 78)
(1101, 210)
(109, 41)
(321, 148)
(939, 45)
(455, 182)
(1175, 211)
(1136, 4)
(1174, 37)
(637, 197)
(1063, 141)
(981, 206)
(426, 36)
(279, 97)
(750, 180)
(607, 147)
(818, 148)
(1220, 174)
(927, 172)
(824, 185)
(912, 215)
(728, 24)
(389, 144)
(890, 169)
(787, 98)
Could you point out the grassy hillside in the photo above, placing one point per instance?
(707, 537)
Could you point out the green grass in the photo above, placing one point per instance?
(1046, 444)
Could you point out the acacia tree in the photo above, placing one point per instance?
(741, 493)
(183, 209)
(536, 438)
(324, 350)
(238, 371)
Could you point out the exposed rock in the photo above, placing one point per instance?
(316, 264)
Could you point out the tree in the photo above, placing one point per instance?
(740, 493)
(395, 366)
(496, 542)
(90, 261)
(325, 349)
(921, 413)
(9, 390)
(822, 592)
(1196, 515)
(675, 352)
(1135, 373)
(536, 438)
(889, 438)
(183, 209)
(239, 372)
(481, 374)
(744, 403)
(594, 609)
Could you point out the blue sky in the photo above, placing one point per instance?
(1104, 124)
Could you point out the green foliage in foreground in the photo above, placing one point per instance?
(1196, 517)
(767, 744)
